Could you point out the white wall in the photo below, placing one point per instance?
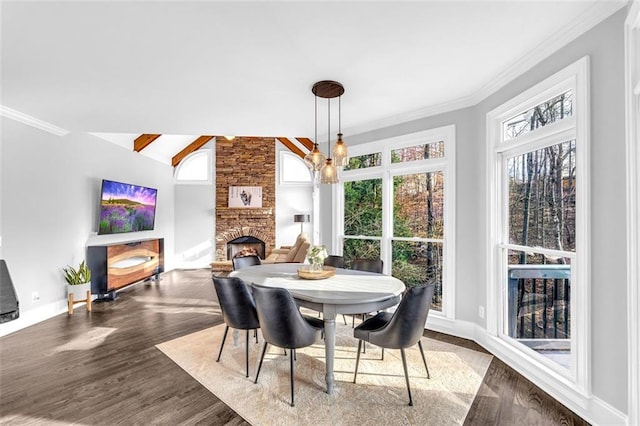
(50, 188)
(195, 223)
(290, 200)
(604, 44)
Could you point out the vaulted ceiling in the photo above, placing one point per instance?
(191, 69)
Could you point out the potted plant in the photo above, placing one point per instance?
(78, 280)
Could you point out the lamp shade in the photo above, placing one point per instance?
(301, 218)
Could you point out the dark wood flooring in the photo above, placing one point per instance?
(102, 368)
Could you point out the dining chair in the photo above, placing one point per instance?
(245, 262)
(238, 309)
(399, 330)
(335, 261)
(367, 265)
(283, 325)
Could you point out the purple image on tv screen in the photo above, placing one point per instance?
(126, 208)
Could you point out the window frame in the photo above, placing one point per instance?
(185, 161)
(281, 181)
(574, 77)
(386, 172)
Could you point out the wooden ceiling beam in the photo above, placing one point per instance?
(144, 141)
(193, 146)
(308, 143)
(292, 147)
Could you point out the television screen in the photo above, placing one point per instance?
(126, 208)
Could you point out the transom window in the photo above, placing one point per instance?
(196, 168)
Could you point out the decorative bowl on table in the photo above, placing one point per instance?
(308, 273)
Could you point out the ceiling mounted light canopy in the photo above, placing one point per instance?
(315, 160)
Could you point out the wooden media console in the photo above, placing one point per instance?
(117, 265)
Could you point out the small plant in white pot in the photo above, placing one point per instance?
(78, 280)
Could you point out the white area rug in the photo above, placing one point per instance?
(379, 397)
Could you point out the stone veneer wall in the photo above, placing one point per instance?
(245, 161)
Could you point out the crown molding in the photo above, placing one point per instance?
(595, 14)
(32, 121)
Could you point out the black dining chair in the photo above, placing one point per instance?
(335, 261)
(245, 262)
(283, 325)
(399, 330)
(367, 265)
(238, 309)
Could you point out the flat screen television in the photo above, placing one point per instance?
(126, 208)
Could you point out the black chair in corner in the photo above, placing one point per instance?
(245, 261)
(399, 330)
(283, 325)
(238, 309)
(335, 261)
(368, 265)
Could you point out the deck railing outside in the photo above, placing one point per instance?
(538, 297)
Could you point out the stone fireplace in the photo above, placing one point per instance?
(245, 161)
(240, 242)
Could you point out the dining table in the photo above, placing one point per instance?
(346, 292)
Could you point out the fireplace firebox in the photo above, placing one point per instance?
(245, 246)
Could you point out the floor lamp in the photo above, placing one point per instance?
(301, 218)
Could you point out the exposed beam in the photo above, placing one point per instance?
(193, 146)
(308, 143)
(292, 147)
(143, 141)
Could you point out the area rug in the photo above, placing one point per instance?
(379, 397)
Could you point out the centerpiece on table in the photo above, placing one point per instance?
(316, 269)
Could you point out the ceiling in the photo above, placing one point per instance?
(246, 68)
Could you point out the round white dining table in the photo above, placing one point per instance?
(347, 292)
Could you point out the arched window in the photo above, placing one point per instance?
(196, 168)
(293, 170)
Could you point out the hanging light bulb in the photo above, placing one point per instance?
(315, 159)
(340, 153)
(328, 173)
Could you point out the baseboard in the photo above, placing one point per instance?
(34, 316)
(590, 408)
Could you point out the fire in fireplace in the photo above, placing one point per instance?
(245, 246)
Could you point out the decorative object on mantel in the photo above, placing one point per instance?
(245, 196)
(78, 285)
(316, 256)
(315, 160)
(307, 273)
(301, 219)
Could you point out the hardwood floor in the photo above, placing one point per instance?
(103, 368)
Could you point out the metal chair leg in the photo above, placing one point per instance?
(424, 359)
(264, 351)
(222, 345)
(382, 358)
(406, 375)
(291, 358)
(246, 353)
(255, 334)
(357, 360)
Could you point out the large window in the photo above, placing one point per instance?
(397, 203)
(538, 186)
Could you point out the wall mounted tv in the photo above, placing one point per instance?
(126, 208)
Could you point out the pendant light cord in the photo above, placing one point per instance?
(329, 129)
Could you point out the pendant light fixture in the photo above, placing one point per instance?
(315, 160)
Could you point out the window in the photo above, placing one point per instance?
(397, 204)
(538, 290)
(195, 168)
(293, 171)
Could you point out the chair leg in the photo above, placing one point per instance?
(222, 345)
(382, 355)
(255, 334)
(246, 353)
(406, 375)
(264, 351)
(344, 318)
(357, 361)
(292, 356)
(424, 359)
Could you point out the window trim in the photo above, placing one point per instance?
(576, 78)
(285, 153)
(445, 164)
